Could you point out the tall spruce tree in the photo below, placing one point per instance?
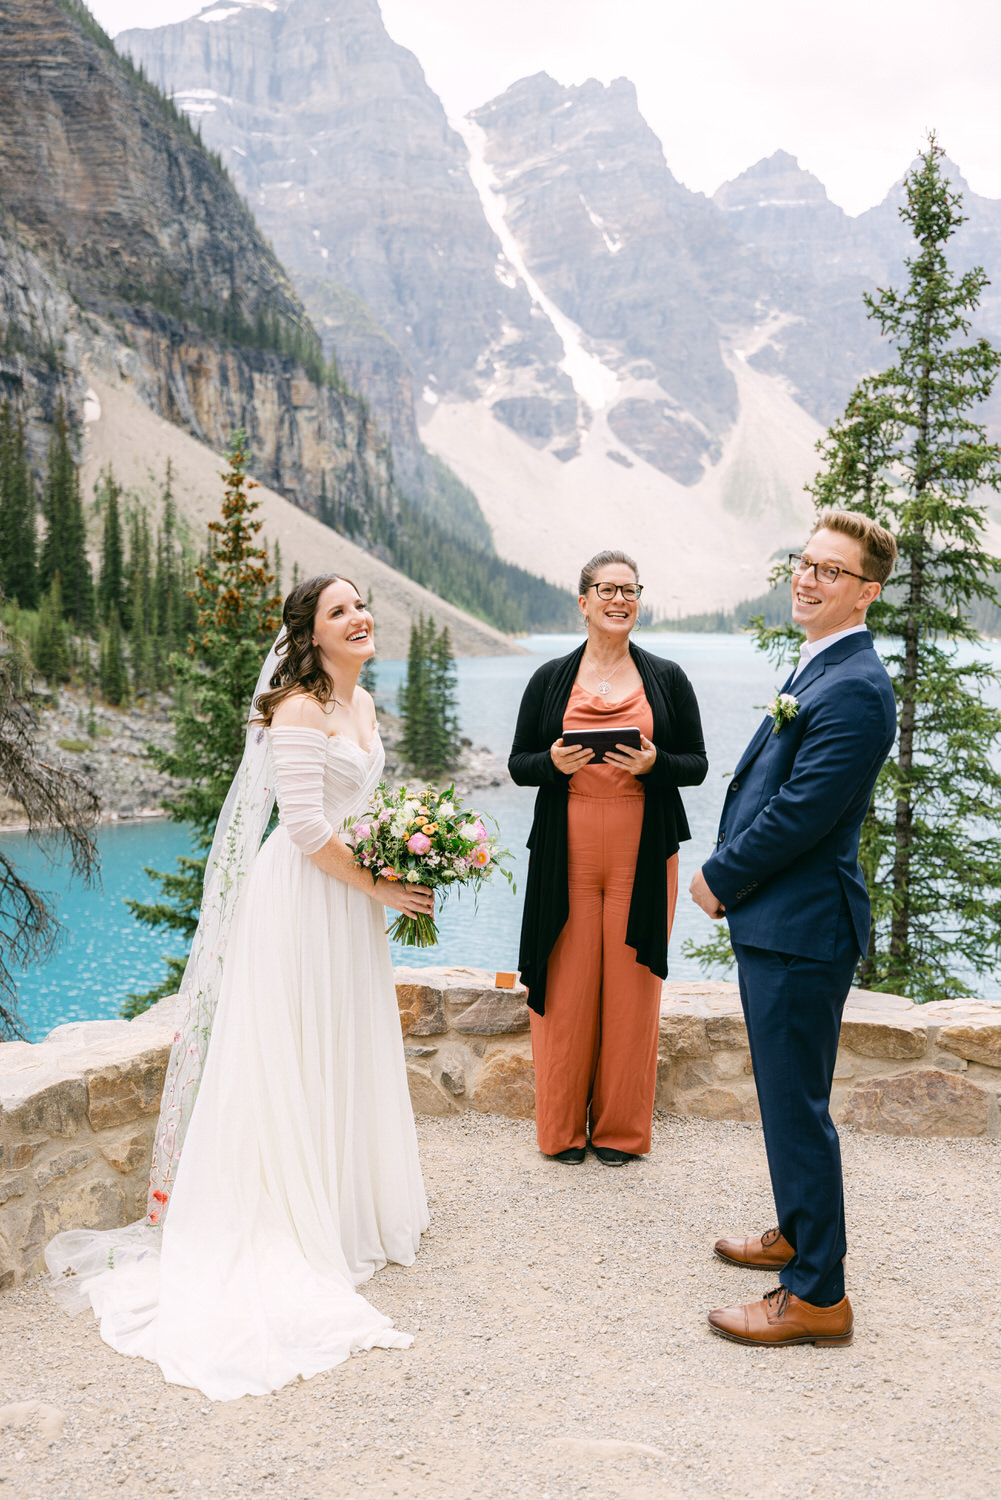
(427, 703)
(51, 653)
(18, 545)
(141, 608)
(909, 452)
(64, 549)
(238, 616)
(112, 673)
(111, 578)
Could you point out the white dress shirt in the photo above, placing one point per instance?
(810, 649)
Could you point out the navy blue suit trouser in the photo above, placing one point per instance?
(792, 1007)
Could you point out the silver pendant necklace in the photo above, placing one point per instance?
(605, 683)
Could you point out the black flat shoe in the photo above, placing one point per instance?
(573, 1154)
(611, 1156)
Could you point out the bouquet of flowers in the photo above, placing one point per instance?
(425, 838)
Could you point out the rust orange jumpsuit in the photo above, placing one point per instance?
(595, 1049)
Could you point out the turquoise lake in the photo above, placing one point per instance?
(106, 954)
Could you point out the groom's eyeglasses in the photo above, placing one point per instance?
(823, 572)
(609, 590)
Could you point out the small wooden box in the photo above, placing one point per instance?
(505, 980)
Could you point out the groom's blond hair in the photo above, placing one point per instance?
(879, 546)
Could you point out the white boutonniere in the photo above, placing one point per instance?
(783, 709)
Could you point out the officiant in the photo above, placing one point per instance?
(608, 734)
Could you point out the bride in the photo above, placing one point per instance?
(300, 1176)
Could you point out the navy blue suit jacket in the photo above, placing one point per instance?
(787, 848)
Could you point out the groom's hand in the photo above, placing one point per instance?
(703, 896)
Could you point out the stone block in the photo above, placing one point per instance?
(981, 1044)
(130, 1152)
(726, 1033)
(126, 1091)
(96, 1205)
(453, 1079)
(13, 1187)
(426, 1097)
(926, 1102)
(59, 1109)
(898, 1042)
(493, 1013)
(17, 1154)
(732, 1064)
(422, 1009)
(720, 1104)
(691, 1073)
(62, 1166)
(505, 1085)
(682, 1036)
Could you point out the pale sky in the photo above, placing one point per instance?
(851, 88)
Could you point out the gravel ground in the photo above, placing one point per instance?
(562, 1348)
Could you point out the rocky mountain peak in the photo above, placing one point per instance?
(775, 180)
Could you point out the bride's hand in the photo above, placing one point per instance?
(412, 900)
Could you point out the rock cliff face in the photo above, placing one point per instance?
(128, 252)
(351, 168)
(637, 261)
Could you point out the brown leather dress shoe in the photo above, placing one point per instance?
(768, 1251)
(783, 1318)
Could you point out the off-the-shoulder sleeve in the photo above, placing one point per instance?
(300, 757)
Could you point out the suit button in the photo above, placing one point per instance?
(735, 786)
(720, 837)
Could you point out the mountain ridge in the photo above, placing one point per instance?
(591, 332)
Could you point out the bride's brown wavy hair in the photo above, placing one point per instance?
(299, 668)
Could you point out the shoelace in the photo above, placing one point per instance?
(782, 1293)
(769, 1237)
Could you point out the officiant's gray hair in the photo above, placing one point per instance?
(589, 572)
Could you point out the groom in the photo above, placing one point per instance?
(785, 873)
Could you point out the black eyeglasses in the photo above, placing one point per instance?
(823, 572)
(609, 590)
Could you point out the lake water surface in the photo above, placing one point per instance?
(107, 954)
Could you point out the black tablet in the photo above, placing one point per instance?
(600, 740)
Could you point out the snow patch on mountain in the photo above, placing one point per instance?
(593, 381)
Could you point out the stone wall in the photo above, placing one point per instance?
(78, 1111)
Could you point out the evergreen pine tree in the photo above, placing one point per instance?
(18, 547)
(909, 452)
(412, 698)
(444, 717)
(236, 624)
(111, 579)
(50, 647)
(140, 610)
(64, 550)
(112, 676)
(427, 700)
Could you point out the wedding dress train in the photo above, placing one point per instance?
(299, 1176)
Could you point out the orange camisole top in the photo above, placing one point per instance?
(589, 711)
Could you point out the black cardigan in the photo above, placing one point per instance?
(681, 761)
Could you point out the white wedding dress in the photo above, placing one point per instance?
(299, 1176)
